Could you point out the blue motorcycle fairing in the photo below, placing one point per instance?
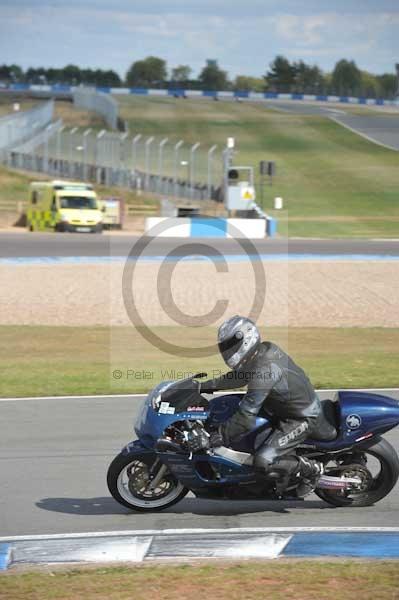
(197, 472)
(151, 424)
(136, 447)
(194, 472)
(221, 408)
(359, 414)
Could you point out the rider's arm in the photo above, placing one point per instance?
(260, 385)
(228, 381)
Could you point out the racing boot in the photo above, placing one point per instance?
(309, 472)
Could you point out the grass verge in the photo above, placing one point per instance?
(310, 580)
(37, 361)
(7, 104)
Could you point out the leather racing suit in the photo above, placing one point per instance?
(282, 389)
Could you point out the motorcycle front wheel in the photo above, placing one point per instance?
(131, 479)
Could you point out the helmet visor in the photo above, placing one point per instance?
(230, 346)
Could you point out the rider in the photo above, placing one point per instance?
(277, 384)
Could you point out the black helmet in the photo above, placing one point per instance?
(238, 340)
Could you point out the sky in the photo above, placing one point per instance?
(244, 36)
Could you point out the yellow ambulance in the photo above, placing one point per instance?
(63, 206)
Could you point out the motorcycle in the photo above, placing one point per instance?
(159, 468)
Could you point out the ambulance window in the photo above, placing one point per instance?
(54, 204)
(34, 197)
(78, 202)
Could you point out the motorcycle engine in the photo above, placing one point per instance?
(191, 436)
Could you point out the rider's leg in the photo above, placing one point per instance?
(277, 456)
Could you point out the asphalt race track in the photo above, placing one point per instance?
(54, 457)
(384, 129)
(67, 244)
(305, 108)
(381, 127)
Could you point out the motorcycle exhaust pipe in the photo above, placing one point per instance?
(164, 445)
(328, 482)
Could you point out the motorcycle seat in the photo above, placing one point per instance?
(325, 429)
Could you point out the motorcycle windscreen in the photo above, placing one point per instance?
(183, 396)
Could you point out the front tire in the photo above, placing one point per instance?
(378, 486)
(128, 479)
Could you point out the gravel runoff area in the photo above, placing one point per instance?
(309, 293)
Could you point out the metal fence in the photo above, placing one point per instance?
(142, 163)
(111, 176)
(103, 104)
(21, 126)
(162, 166)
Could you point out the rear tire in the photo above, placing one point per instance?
(127, 473)
(380, 486)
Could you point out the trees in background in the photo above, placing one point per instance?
(213, 78)
(309, 79)
(70, 75)
(149, 72)
(10, 73)
(346, 78)
(296, 77)
(388, 85)
(244, 83)
(283, 76)
(181, 73)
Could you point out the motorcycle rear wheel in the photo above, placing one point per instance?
(128, 479)
(378, 487)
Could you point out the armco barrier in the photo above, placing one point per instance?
(238, 94)
(98, 101)
(20, 126)
(197, 227)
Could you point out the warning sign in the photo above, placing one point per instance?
(248, 195)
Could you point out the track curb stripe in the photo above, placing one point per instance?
(140, 546)
(358, 545)
(229, 258)
(5, 556)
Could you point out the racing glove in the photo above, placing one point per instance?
(199, 441)
(241, 422)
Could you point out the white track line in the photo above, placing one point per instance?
(95, 397)
(112, 396)
(202, 531)
(336, 111)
